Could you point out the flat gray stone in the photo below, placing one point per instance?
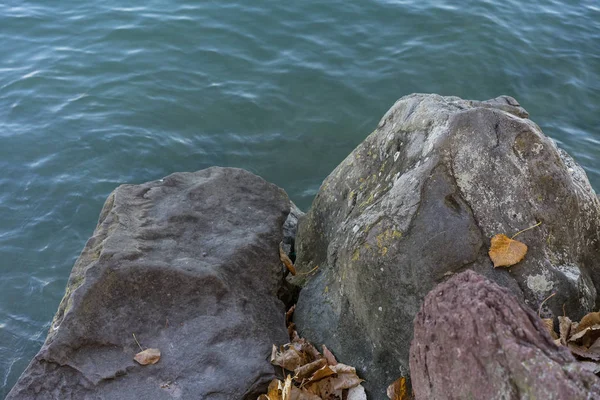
(190, 265)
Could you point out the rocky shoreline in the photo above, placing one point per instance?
(190, 265)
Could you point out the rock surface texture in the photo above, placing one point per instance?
(474, 340)
(190, 264)
(418, 201)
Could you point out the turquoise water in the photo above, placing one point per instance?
(93, 94)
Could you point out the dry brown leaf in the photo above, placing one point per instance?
(310, 351)
(549, 324)
(289, 314)
(274, 392)
(286, 391)
(587, 336)
(303, 394)
(346, 377)
(587, 321)
(505, 251)
(289, 358)
(564, 326)
(398, 390)
(307, 370)
(325, 389)
(320, 374)
(148, 356)
(591, 353)
(329, 356)
(286, 261)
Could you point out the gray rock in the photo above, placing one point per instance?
(419, 200)
(190, 264)
(474, 340)
(290, 229)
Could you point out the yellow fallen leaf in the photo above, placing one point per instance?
(148, 356)
(398, 390)
(505, 251)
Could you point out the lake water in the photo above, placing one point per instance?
(94, 94)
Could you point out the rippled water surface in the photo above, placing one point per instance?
(95, 94)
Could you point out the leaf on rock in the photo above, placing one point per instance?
(288, 358)
(591, 353)
(307, 370)
(325, 389)
(398, 390)
(286, 261)
(303, 394)
(587, 321)
(346, 377)
(316, 376)
(148, 356)
(549, 324)
(586, 336)
(329, 356)
(564, 326)
(286, 392)
(505, 251)
(322, 373)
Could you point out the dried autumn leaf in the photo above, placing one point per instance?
(289, 358)
(588, 320)
(591, 353)
(302, 394)
(398, 390)
(286, 391)
(346, 377)
(286, 261)
(549, 325)
(322, 373)
(505, 251)
(148, 356)
(586, 336)
(564, 327)
(324, 388)
(329, 356)
(307, 370)
(273, 392)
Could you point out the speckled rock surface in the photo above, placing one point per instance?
(419, 200)
(190, 265)
(475, 340)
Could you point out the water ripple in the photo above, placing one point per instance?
(95, 94)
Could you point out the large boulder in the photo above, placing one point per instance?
(475, 340)
(418, 201)
(190, 265)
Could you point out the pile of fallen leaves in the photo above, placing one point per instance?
(315, 375)
(580, 338)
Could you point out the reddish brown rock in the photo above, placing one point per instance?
(475, 340)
